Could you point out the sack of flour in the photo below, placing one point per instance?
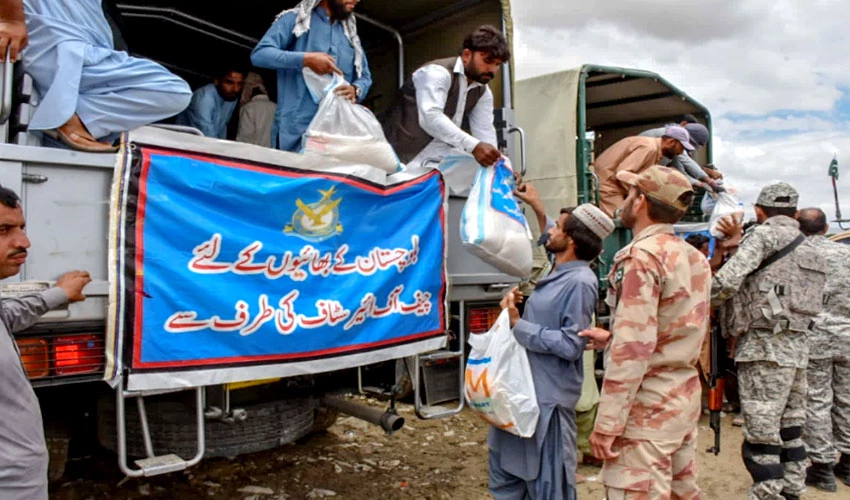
(493, 226)
(344, 130)
(498, 383)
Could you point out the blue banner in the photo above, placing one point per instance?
(252, 264)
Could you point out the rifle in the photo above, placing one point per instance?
(715, 383)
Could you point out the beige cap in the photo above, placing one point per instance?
(662, 184)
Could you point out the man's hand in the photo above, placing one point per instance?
(509, 302)
(731, 225)
(73, 283)
(321, 63)
(13, 36)
(602, 446)
(597, 338)
(347, 91)
(715, 186)
(528, 194)
(486, 154)
(713, 173)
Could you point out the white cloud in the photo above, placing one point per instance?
(772, 72)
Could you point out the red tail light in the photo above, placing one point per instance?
(76, 354)
(482, 318)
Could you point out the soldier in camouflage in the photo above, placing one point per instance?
(827, 429)
(775, 300)
(646, 426)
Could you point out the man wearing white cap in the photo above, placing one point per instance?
(635, 154)
(561, 306)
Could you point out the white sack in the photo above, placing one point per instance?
(493, 226)
(499, 386)
(344, 130)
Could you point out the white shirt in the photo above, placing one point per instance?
(433, 83)
(255, 121)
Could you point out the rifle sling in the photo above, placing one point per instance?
(784, 251)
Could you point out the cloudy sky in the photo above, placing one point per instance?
(774, 74)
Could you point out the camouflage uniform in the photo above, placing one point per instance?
(828, 414)
(772, 351)
(659, 290)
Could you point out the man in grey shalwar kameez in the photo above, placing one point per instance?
(23, 452)
(543, 467)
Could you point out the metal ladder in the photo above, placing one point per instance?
(153, 465)
(428, 412)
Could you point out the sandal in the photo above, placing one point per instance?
(68, 140)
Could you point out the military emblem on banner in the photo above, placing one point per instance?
(316, 221)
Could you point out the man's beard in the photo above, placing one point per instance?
(338, 10)
(627, 217)
(475, 76)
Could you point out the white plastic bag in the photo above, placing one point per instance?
(499, 385)
(492, 225)
(725, 204)
(344, 130)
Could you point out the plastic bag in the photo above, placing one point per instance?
(344, 130)
(499, 385)
(493, 226)
(725, 204)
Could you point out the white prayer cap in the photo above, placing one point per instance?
(594, 219)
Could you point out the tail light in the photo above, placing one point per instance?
(482, 318)
(35, 356)
(77, 354)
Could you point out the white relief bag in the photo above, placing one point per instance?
(499, 386)
(493, 226)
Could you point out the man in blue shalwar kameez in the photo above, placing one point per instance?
(213, 104)
(543, 466)
(89, 90)
(316, 34)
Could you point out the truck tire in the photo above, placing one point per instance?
(172, 427)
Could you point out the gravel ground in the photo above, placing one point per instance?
(437, 459)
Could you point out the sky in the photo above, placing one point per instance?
(773, 73)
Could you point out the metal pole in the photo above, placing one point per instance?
(837, 206)
(398, 38)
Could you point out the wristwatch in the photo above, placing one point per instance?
(357, 91)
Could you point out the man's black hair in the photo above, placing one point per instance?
(812, 221)
(231, 68)
(688, 118)
(490, 40)
(697, 240)
(9, 198)
(774, 211)
(567, 210)
(665, 214)
(588, 244)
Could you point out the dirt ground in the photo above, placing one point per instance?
(436, 459)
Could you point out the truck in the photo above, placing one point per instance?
(572, 116)
(69, 200)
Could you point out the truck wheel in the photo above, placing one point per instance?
(324, 418)
(173, 430)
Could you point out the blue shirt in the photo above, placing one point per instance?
(208, 112)
(280, 50)
(561, 306)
